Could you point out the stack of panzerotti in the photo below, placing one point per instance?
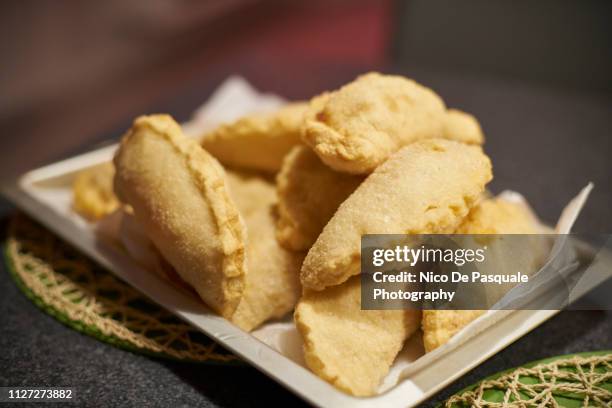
(380, 155)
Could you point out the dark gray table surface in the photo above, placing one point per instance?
(545, 143)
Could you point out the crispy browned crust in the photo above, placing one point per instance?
(272, 283)
(92, 192)
(462, 127)
(357, 127)
(309, 193)
(257, 142)
(178, 193)
(490, 216)
(353, 349)
(426, 187)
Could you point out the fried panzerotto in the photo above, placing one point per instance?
(257, 142)
(490, 216)
(426, 187)
(526, 251)
(351, 348)
(179, 195)
(357, 127)
(462, 127)
(272, 279)
(92, 192)
(309, 193)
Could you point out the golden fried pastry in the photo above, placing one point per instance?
(357, 127)
(309, 193)
(179, 195)
(272, 281)
(499, 216)
(440, 325)
(490, 216)
(92, 192)
(257, 142)
(426, 187)
(251, 191)
(462, 127)
(351, 348)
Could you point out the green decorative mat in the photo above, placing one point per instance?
(572, 381)
(82, 295)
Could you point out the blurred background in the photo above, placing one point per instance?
(537, 74)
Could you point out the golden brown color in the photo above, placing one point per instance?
(272, 278)
(179, 195)
(92, 192)
(309, 193)
(490, 216)
(257, 142)
(440, 325)
(498, 216)
(462, 127)
(357, 127)
(426, 187)
(351, 348)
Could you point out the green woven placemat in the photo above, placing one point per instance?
(82, 295)
(572, 381)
